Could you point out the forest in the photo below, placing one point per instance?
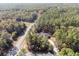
(12, 26)
(63, 25)
(59, 23)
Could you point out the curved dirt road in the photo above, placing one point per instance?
(55, 48)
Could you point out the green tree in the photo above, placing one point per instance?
(66, 52)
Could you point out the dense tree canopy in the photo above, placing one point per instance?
(63, 24)
(39, 43)
(11, 28)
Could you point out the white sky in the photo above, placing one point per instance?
(39, 1)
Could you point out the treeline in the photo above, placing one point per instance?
(27, 19)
